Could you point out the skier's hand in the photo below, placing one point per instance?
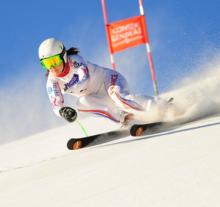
(68, 113)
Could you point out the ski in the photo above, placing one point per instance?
(141, 129)
(135, 130)
(78, 143)
(151, 128)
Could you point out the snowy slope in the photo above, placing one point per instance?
(48, 145)
(175, 168)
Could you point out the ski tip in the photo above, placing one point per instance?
(136, 131)
(141, 129)
(74, 144)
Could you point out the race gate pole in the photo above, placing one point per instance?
(149, 55)
(107, 33)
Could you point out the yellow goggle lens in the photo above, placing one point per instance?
(51, 62)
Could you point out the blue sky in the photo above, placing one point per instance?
(183, 35)
(179, 31)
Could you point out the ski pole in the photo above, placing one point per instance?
(71, 115)
(82, 127)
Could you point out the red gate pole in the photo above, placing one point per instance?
(107, 33)
(149, 55)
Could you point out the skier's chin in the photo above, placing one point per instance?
(56, 72)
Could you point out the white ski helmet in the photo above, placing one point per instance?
(51, 47)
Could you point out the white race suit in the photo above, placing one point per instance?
(98, 90)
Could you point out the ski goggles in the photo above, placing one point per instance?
(51, 62)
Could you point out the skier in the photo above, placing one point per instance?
(98, 90)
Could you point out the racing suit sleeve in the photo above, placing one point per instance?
(55, 95)
(81, 76)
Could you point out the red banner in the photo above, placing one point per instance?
(127, 33)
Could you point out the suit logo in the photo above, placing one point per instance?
(73, 81)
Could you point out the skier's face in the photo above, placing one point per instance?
(57, 70)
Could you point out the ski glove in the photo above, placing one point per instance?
(68, 113)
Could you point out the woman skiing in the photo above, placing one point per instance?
(98, 90)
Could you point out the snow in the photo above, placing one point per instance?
(175, 168)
